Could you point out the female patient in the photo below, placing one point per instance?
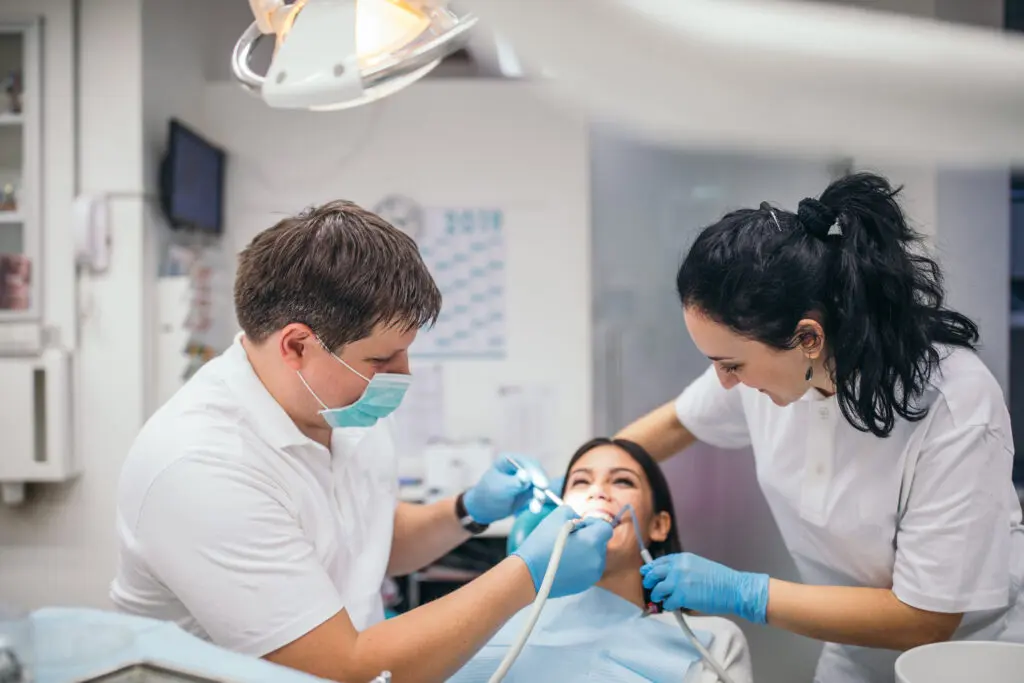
(605, 633)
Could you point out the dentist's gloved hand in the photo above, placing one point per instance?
(536, 472)
(685, 580)
(502, 491)
(583, 559)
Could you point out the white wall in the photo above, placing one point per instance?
(973, 239)
(173, 81)
(445, 143)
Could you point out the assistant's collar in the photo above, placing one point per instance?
(266, 415)
(814, 395)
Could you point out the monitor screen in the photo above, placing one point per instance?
(193, 181)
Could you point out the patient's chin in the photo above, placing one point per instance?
(622, 552)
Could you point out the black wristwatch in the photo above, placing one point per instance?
(467, 522)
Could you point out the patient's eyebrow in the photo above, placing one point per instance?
(720, 358)
(624, 469)
(587, 470)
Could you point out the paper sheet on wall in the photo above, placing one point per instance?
(464, 250)
(528, 414)
(420, 418)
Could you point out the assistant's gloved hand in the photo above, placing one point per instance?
(583, 559)
(502, 491)
(685, 580)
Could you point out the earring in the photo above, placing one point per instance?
(809, 374)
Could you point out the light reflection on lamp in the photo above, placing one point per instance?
(386, 26)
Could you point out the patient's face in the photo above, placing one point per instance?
(605, 480)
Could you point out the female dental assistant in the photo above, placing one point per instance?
(882, 443)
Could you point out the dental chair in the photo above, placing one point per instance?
(525, 522)
(70, 645)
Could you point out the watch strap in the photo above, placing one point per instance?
(467, 522)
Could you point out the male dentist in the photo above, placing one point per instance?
(258, 508)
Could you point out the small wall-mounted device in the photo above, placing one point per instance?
(91, 225)
(38, 443)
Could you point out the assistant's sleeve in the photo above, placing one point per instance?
(222, 539)
(953, 544)
(713, 413)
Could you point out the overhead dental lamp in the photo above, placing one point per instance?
(804, 77)
(336, 54)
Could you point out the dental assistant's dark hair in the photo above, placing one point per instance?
(849, 260)
(661, 497)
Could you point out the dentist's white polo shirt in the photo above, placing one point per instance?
(241, 529)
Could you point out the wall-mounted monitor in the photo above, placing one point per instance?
(192, 181)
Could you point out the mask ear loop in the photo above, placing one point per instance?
(335, 357)
(310, 390)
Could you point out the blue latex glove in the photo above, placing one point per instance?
(557, 483)
(502, 491)
(685, 580)
(538, 476)
(536, 472)
(583, 559)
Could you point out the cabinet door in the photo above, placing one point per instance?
(20, 225)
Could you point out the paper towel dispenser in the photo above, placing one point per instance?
(37, 422)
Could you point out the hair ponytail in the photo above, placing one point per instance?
(851, 258)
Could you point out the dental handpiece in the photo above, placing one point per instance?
(552, 496)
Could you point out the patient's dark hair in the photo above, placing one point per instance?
(850, 260)
(661, 497)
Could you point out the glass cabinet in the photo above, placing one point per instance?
(20, 179)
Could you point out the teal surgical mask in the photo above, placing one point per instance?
(383, 394)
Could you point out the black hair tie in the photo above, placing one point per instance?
(819, 220)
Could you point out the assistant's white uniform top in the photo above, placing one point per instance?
(238, 527)
(835, 493)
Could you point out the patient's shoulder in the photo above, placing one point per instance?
(722, 629)
(719, 626)
(728, 646)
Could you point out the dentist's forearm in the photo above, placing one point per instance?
(430, 643)
(423, 533)
(425, 645)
